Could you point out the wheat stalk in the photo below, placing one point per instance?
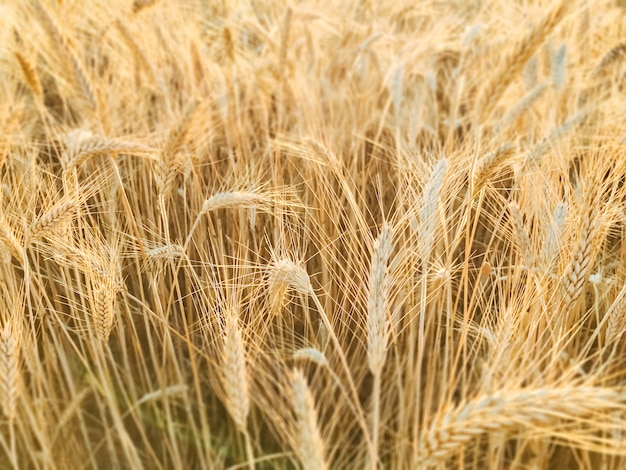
(285, 274)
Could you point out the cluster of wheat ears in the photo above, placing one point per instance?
(312, 234)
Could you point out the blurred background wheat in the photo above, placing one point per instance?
(317, 234)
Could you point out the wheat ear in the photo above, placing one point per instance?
(542, 147)
(138, 54)
(9, 240)
(235, 372)
(165, 171)
(517, 58)
(55, 33)
(487, 165)
(428, 212)
(537, 408)
(139, 5)
(521, 235)
(57, 215)
(103, 312)
(169, 162)
(313, 355)
(229, 200)
(172, 251)
(236, 378)
(554, 228)
(517, 111)
(86, 147)
(10, 384)
(378, 324)
(285, 274)
(232, 199)
(310, 448)
(84, 81)
(615, 55)
(176, 137)
(578, 269)
(32, 79)
(616, 315)
(377, 301)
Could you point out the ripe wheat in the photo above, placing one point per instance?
(313, 234)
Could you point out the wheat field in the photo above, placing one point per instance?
(314, 234)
